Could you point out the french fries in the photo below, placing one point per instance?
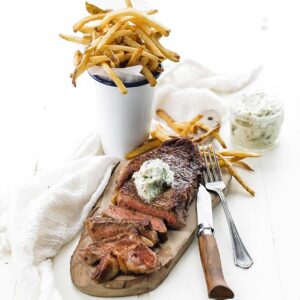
(106, 33)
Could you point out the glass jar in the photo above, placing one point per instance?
(256, 121)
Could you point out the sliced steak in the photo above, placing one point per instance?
(121, 213)
(129, 254)
(100, 228)
(171, 205)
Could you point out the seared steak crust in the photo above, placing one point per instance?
(172, 205)
(100, 228)
(121, 213)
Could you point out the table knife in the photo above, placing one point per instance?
(217, 287)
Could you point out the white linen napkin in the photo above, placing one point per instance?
(48, 211)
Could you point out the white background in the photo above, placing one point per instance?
(42, 117)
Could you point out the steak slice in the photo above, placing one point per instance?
(172, 204)
(100, 228)
(121, 213)
(92, 254)
(128, 254)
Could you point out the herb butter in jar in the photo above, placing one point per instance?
(256, 120)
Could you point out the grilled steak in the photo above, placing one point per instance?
(129, 254)
(100, 228)
(171, 205)
(121, 213)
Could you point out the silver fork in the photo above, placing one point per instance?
(213, 180)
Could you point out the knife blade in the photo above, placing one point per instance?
(217, 288)
(204, 208)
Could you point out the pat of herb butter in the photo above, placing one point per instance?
(153, 176)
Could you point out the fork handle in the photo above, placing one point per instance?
(240, 254)
(217, 287)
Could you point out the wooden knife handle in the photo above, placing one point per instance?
(217, 287)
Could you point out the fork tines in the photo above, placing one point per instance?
(212, 171)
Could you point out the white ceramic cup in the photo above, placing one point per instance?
(124, 120)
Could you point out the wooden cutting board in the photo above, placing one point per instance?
(169, 253)
(126, 285)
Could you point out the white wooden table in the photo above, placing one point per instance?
(42, 117)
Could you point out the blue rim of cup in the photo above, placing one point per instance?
(127, 84)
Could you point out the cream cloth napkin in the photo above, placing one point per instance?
(48, 211)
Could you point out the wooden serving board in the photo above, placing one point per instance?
(126, 285)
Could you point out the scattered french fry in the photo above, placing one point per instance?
(168, 119)
(149, 145)
(235, 174)
(190, 124)
(160, 134)
(239, 154)
(242, 164)
(206, 135)
(214, 134)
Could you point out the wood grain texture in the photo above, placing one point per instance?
(217, 288)
(126, 285)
